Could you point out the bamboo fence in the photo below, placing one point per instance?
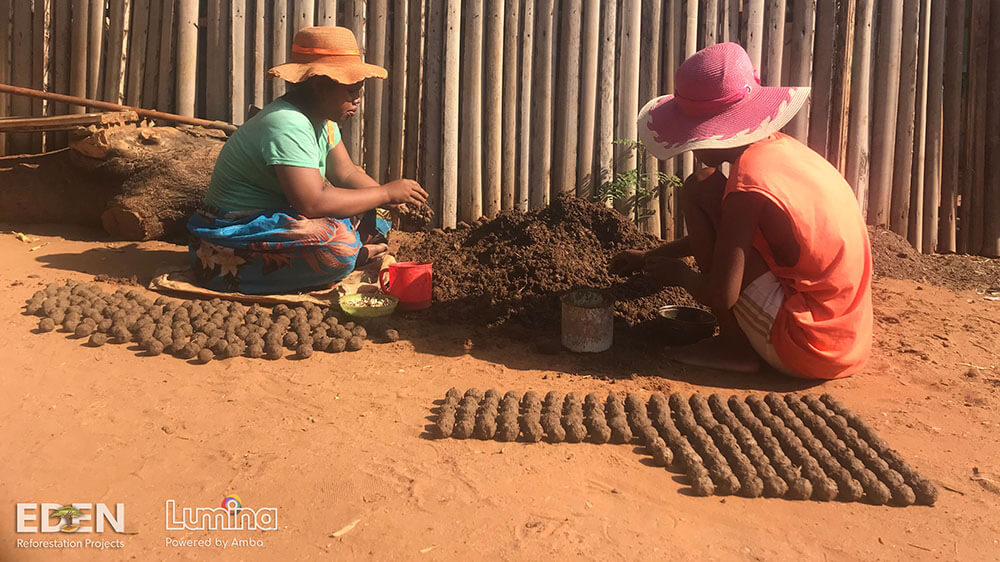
(503, 104)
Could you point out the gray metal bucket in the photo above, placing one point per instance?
(588, 317)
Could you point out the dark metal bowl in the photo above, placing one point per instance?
(683, 325)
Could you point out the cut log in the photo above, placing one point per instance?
(140, 183)
(65, 122)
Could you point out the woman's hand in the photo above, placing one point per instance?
(627, 262)
(405, 191)
(672, 272)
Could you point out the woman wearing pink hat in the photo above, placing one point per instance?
(276, 217)
(782, 250)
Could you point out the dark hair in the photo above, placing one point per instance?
(296, 87)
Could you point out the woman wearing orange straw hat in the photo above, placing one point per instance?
(781, 246)
(276, 217)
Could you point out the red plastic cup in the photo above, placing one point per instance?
(410, 282)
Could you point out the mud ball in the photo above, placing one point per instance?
(321, 343)
(303, 351)
(575, 432)
(349, 325)
(70, 325)
(825, 489)
(702, 486)
(463, 428)
(46, 325)
(360, 331)
(662, 455)
(532, 430)
(799, 489)
(336, 345)
(119, 334)
(648, 434)
(774, 487)
(601, 434)
(255, 351)
(205, 355)
(391, 335)
(97, 339)
(84, 329)
(189, 351)
(290, 340)
(926, 493)
(446, 421)
(273, 352)
(355, 343)
(154, 347)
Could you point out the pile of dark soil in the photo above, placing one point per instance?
(895, 258)
(514, 268)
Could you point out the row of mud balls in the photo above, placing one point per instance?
(201, 330)
(792, 447)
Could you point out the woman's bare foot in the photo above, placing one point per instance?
(718, 353)
(370, 252)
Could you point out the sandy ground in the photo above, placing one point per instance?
(341, 438)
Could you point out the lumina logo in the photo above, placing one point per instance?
(231, 516)
(70, 518)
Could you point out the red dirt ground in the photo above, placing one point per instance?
(341, 438)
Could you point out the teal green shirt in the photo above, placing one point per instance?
(244, 178)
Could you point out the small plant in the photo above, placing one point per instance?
(631, 191)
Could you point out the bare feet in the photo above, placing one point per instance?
(718, 353)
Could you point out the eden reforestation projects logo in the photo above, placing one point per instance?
(69, 519)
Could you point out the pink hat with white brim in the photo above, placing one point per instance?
(719, 103)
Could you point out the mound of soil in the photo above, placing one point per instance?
(895, 258)
(515, 267)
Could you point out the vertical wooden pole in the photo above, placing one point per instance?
(914, 223)
(78, 68)
(62, 35)
(237, 33)
(755, 31)
(774, 42)
(327, 13)
(525, 133)
(279, 46)
(21, 63)
(590, 36)
(628, 97)
(151, 76)
(886, 78)
(217, 82)
(858, 147)
(725, 14)
(734, 20)
(690, 48)
(649, 84)
(991, 199)
(116, 45)
(470, 151)
(375, 91)
(541, 107)
(822, 80)
(606, 96)
(5, 36)
(979, 70)
(935, 110)
(710, 23)
(433, 115)
(511, 33)
(567, 110)
(395, 120)
(137, 52)
(95, 36)
(168, 57)
(449, 146)
(187, 55)
(493, 99)
(355, 16)
(38, 71)
(800, 73)
(259, 35)
(305, 14)
(840, 98)
(905, 148)
(951, 148)
(668, 66)
(414, 90)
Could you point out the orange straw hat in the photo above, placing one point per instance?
(327, 51)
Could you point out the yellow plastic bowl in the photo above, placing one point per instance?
(360, 306)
